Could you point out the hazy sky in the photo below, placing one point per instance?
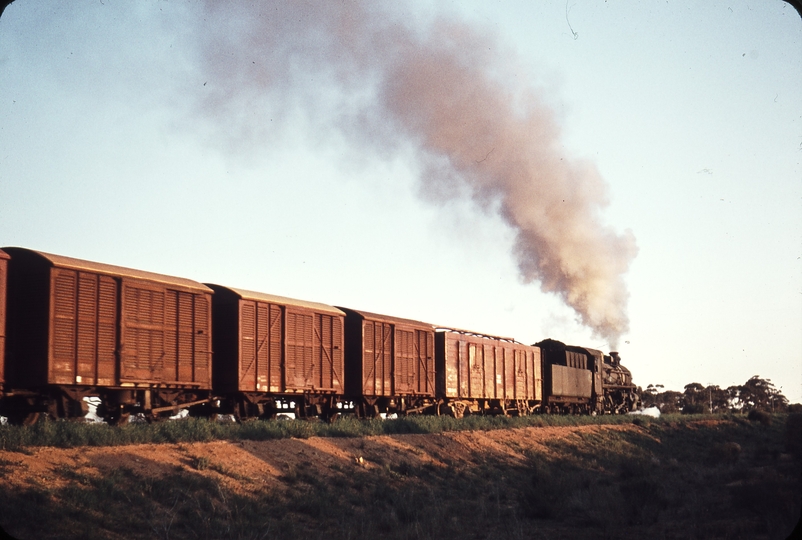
(514, 168)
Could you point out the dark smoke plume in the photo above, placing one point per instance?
(454, 95)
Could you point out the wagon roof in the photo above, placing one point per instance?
(59, 261)
(476, 334)
(387, 318)
(282, 300)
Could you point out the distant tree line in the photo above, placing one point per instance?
(756, 394)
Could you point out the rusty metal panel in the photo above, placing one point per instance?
(103, 325)
(413, 372)
(298, 366)
(534, 375)
(142, 333)
(473, 366)
(314, 360)
(424, 358)
(248, 373)
(276, 344)
(377, 358)
(59, 261)
(388, 356)
(275, 325)
(165, 335)
(537, 365)
(83, 333)
(3, 281)
(329, 368)
(509, 388)
(202, 334)
(261, 351)
(404, 361)
(570, 382)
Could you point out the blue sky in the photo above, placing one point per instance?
(190, 140)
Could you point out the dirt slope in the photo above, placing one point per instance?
(251, 465)
(548, 482)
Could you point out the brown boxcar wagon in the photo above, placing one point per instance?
(272, 352)
(137, 340)
(389, 364)
(487, 374)
(3, 274)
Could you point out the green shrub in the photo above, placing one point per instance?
(66, 434)
(763, 417)
(694, 408)
(793, 434)
(724, 453)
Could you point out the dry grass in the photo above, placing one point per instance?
(675, 478)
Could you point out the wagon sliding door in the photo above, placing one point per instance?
(328, 335)
(377, 358)
(261, 330)
(165, 335)
(187, 332)
(414, 362)
(314, 355)
(83, 316)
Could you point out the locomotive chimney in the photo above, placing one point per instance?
(615, 357)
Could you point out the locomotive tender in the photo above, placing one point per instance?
(150, 344)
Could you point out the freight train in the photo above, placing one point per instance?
(152, 345)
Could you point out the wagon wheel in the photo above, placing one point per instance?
(155, 418)
(204, 410)
(237, 414)
(113, 415)
(269, 414)
(23, 418)
(330, 415)
(118, 419)
(458, 409)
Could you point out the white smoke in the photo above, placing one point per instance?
(444, 88)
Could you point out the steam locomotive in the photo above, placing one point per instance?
(153, 345)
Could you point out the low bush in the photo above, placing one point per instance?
(66, 434)
(763, 417)
(694, 408)
(793, 434)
